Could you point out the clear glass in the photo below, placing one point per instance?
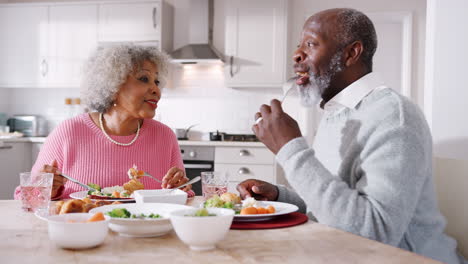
(35, 190)
(214, 182)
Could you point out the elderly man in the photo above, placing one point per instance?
(369, 171)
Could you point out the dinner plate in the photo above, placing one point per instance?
(146, 227)
(281, 209)
(84, 194)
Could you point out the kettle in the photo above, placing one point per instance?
(181, 133)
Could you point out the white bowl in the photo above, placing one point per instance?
(77, 235)
(148, 227)
(202, 232)
(160, 196)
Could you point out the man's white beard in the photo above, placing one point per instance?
(311, 93)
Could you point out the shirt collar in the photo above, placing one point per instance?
(353, 94)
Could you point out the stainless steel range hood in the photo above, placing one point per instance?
(199, 50)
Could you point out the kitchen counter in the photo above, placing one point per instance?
(181, 142)
(24, 239)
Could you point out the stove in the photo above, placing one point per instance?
(221, 136)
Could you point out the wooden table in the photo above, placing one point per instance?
(24, 239)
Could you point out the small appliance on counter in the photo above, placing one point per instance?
(29, 125)
(182, 133)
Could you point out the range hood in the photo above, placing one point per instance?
(200, 49)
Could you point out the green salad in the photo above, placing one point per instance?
(202, 212)
(216, 201)
(124, 213)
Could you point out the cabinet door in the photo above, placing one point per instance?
(23, 45)
(14, 158)
(73, 36)
(256, 42)
(130, 21)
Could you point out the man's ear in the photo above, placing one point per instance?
(353, 53)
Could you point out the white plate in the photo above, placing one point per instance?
(281, 209)
(84, 194)
(134, 227)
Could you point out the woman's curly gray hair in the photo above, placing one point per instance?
(108, 68)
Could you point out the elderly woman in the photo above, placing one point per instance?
(122, 84)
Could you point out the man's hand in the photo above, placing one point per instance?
(257, 189)
(276, 127)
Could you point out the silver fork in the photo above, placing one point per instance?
(287, 86)
(147, 175)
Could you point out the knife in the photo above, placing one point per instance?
(77, 182)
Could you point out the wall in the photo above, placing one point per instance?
(301, 9)
(446, 108)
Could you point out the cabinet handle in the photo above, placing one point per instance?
(6, 147)
(243, 170)
(231, 65)
(244, 153)
(155, 23)
(44, 67)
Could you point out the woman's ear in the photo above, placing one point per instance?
(353, 53)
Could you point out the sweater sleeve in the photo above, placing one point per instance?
(52, 149)
(392, 173)
(176, 160)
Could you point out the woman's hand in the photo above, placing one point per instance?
(175, 177)
(59, 181)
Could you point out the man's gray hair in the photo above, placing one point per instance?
(108, 68)
(354, 25)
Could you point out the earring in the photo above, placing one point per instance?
(115, 104)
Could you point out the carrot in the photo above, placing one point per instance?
(99, 216)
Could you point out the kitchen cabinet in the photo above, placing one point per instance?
(23, 45)
(14, 158)
(35, 149)
(136, 21)
(72, 38)
(45, 45)
(255, 43)
(243, 163)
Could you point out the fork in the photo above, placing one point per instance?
(148, 175)
(287, 86)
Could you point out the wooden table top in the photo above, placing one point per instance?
(24, 239)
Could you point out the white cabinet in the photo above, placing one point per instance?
(129, 21)
(14, 158)
(243, 163)
(255, 43)
(72, 38)
(45, 45)
(23, 45)
(136, 21)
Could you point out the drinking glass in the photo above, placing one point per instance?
(214, 182)
(35, 190)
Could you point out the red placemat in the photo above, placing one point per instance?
(287, 220)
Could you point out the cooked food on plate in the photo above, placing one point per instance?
(249, 206)
(119, 192)
(79, 206)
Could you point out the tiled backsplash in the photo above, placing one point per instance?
(195, 95)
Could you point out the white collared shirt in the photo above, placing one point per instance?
(353, 94)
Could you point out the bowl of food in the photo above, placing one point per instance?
(161, 196)
(140, 220)
(78, 230)
(202, 228)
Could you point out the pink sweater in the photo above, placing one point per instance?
(84, 153)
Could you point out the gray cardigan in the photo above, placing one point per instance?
(369, 172)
